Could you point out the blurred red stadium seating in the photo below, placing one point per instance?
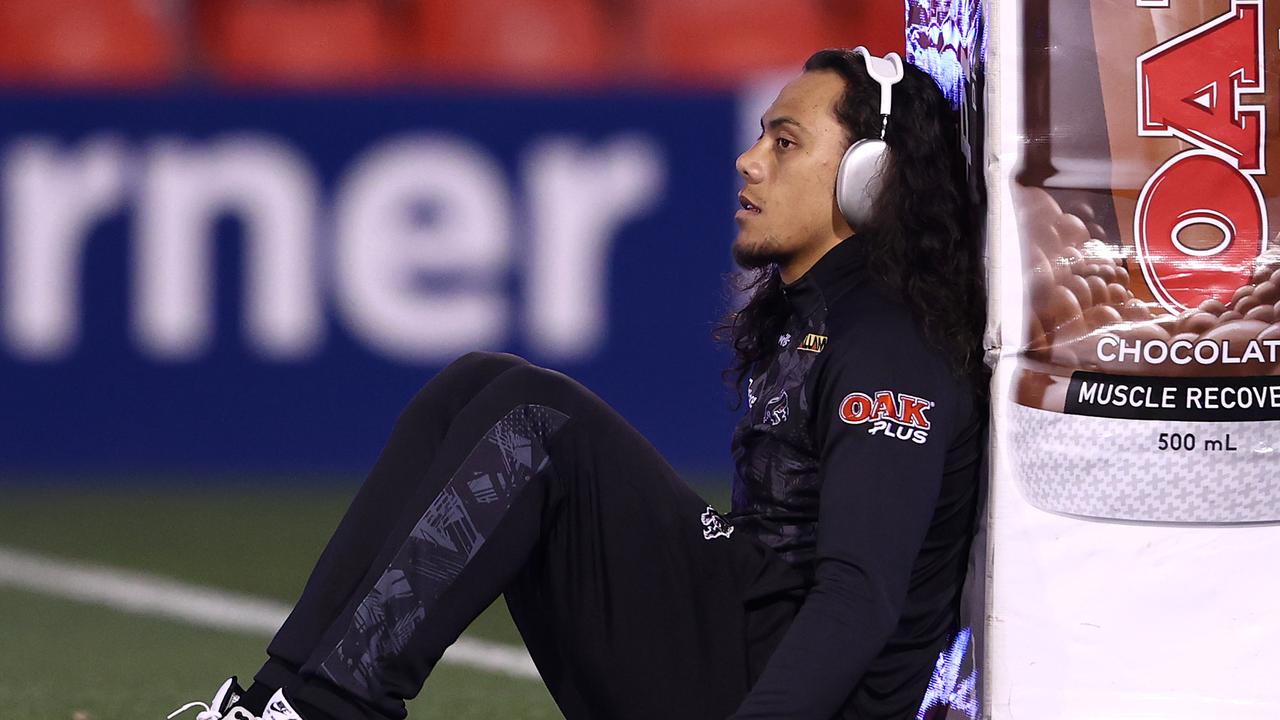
(719, 41)
(521, 42)
(510, 43)
(878, 24)
(297, 42)
(77, 42)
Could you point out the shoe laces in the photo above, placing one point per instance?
(207, 714)
(236, 713)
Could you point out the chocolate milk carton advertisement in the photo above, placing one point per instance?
(1135, 510)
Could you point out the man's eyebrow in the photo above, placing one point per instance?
(775, 123)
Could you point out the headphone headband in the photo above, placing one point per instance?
(886, 71)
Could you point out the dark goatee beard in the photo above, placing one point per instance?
(754, 258)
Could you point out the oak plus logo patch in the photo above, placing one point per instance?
(891, 414)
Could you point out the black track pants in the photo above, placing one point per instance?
(634, 598)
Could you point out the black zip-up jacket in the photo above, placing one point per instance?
(857, 461)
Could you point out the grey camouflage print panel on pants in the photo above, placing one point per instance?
(443, 541)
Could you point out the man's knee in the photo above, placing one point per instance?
(531, 383)
(458, 382)
(485, 362)
(473, 371)
(536, 376)
(501, 379)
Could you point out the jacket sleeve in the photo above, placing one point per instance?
(882, 417)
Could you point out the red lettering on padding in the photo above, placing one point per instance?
(1198, 187)
(1190, 86)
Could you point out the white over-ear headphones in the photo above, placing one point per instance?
(858, 180)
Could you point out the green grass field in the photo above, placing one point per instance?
(66, 660)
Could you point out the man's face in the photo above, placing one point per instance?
(789, 214)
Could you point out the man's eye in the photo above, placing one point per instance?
(784, 144)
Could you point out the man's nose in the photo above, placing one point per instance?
(749, 166)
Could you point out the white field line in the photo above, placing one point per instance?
(144, 594)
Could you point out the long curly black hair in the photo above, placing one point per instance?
(923, 246)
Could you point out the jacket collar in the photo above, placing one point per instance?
(835, 272)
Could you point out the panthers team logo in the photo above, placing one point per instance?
(775, 411)
(891, 414)
(714, 526)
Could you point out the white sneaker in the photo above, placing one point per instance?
(221, 706)
(278, 708)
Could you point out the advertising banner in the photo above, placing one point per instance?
(1136, 491)
(261, 281)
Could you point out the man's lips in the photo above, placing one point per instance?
(748, 205)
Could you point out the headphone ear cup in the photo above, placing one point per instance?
(859, 180)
